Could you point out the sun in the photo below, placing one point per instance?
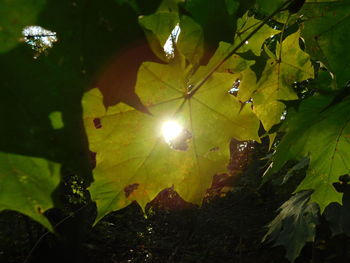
(171, 130)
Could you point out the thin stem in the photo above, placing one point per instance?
(205, 79)
(200, 84)
(37, 36)
(281, 38)
(47, 232)
(181, 106)
(248, 28)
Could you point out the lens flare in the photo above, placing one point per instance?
(171, 130)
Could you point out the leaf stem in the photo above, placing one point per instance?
(26, 260)
(281, 38)
(200, 84)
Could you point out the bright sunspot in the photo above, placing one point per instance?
(171, 130)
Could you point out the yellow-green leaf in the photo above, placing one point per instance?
(290, 65)
(135, 162)
(245, 26)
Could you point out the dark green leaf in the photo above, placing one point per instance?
(14, 16)
(326, 36)
(295, 224)
(324, 138)
(217, 20)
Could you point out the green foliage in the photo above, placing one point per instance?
(295, 224)
(40, 110)
(303, 138)
(227, 73)
(324, 33)
(26, 185)
(224, 12)
(268, 7)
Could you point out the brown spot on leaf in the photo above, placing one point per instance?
(130, 188)
(97, 123)
(180, 143)
(39, 210)
(214, 149)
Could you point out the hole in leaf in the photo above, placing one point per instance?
(248, 101)
(180, 143)
(40, 39)
(214, 149)
(240, 155)
(171, 41)
(242, 146)
(97, 123)
(130, 188)
(283, 116)
(190, 87)
(39, 209)
(235, 87)
(176, 136)
(344, 178)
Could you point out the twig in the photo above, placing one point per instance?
(191, 93)
(47, 232)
